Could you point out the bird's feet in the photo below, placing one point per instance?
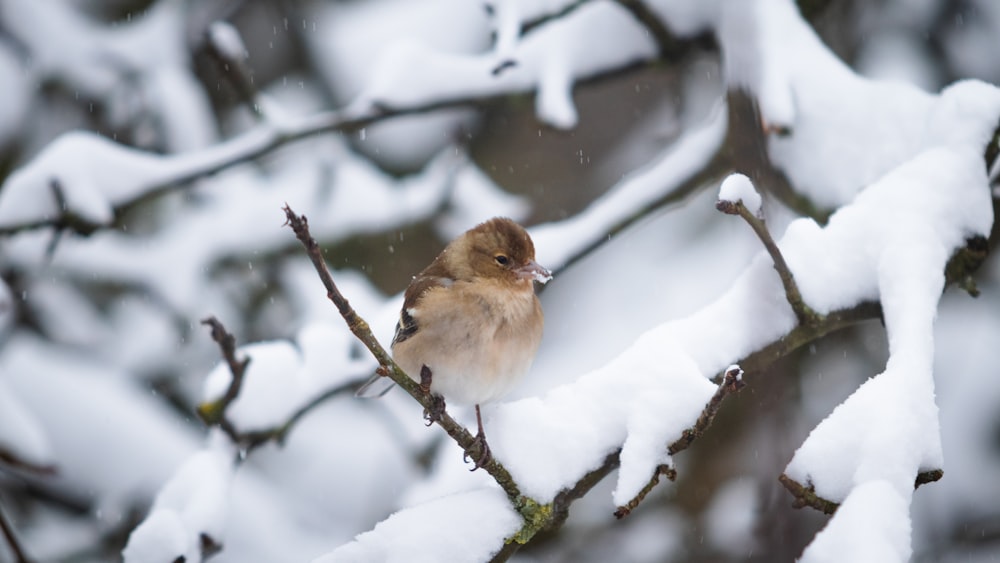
(478, 451)
(433, 413)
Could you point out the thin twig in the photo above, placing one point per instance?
(9, 458)
(20, 555)
(251, 440)
(214, 412)
(236, 73)
(803, 312)
(804, 334)
(627, 508)
(805, 495)
(732, 381)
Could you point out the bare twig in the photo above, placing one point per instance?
(627, 508)
(732, 381)
(236, 72)
(803, 312)
(804, 334)
(669, 46)
(214, 412)
(11, 459)
(20, 555)
(805, 495)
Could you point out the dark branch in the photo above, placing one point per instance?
(627, 508)
(214, 412)
(732, 381)
(805, 495)
(803, 312)
(20, 555)
(13, 460)
(237, 74)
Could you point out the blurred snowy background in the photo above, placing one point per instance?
(146, 151)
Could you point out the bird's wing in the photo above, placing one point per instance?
(407, 325)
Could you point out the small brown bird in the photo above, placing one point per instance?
(471, 322)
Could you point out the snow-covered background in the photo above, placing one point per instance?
(148, 146)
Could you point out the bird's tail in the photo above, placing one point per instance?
(375, 387)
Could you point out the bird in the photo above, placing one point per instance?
(471, 323)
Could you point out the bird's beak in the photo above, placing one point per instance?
(533, 271)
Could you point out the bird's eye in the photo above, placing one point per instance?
(501, 259)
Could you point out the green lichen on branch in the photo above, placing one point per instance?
(537, 517)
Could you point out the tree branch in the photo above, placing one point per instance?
(805, 495)
(214, 413)
(13, 460)
(20, 555)
(732, 382)
(803, 312)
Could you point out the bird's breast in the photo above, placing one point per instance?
(477, 339)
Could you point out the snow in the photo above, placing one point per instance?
(641, 401)
(6, 306)
(16, 99)
(872, 525)
(862, 128)
(242, 209)
(191, 506)
(465, 527)
(738, 188)
(90, 56)
(21, 435)
(91, 173)
(888, 430)
(475, 198)
(131, 441)
(731, 516)
(227, 40)
(557, 243)
(282, 377)
(162, 536)
(349, 40)
(411, 73)
(902, 167)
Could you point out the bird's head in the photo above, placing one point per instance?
(498, 249)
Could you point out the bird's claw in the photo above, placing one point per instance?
(435, 411)
(484, 457)
(478, 443)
